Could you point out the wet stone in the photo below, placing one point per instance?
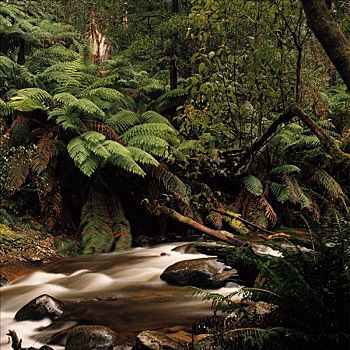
(153, 340)
(41, 307)
(91, 337)
(202, 273)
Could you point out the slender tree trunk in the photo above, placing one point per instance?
(332, 39)
(172, 63)
(326, 140)
(173, 73)
(175, 6)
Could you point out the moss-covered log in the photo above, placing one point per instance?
(221, 235)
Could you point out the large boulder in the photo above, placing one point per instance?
(91, 337)
(41, 307)
(202, 273)
(153, 340)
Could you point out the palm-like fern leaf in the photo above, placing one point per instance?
(285, 169)
(253, 185)
(65, 118)
(83, 105)
(123, 121)
(151, 144)
(127, 163)
(160, 130)
(30, 99)
(154, 117)
(330, 185)
(141, 156)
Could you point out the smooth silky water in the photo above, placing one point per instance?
(119, 290)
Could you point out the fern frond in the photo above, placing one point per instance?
(65, 118)
(123, 121)
(127, 163)
(46, 148)
(285, 169)
(16, 173)
(102, 128)
(83, 105)
(90, 165)
(330, 185)
(170, 100)
(27, 100)
(141, 156)
(253, 185)
(107, 94)
(170, 181)
(77, 150)
(154, 117)
(151, 144)
(160, 130)
(269, 211)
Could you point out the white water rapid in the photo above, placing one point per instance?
(120, 290)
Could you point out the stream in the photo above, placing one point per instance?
(120, 290)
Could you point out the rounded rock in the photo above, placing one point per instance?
(91, 337)
(41, 307)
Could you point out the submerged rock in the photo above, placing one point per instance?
(91, 338)
(41, 307)
(153, 340)
(202, 273)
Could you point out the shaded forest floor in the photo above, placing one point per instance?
(25, 246)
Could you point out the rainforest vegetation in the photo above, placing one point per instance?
(228, 118)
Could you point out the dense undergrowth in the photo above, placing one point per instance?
(179, 114)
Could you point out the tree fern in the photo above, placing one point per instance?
(96, 224)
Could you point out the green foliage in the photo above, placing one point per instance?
(315, 280)
(253, 185)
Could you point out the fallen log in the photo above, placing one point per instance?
(272, 235)
(221, 235)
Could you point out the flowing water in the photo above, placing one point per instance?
(119, 290)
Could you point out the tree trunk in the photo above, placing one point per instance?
(175, 6)
(332, 39)
(173, 74)
(326, 140)
(283, 118)
(172, 62)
